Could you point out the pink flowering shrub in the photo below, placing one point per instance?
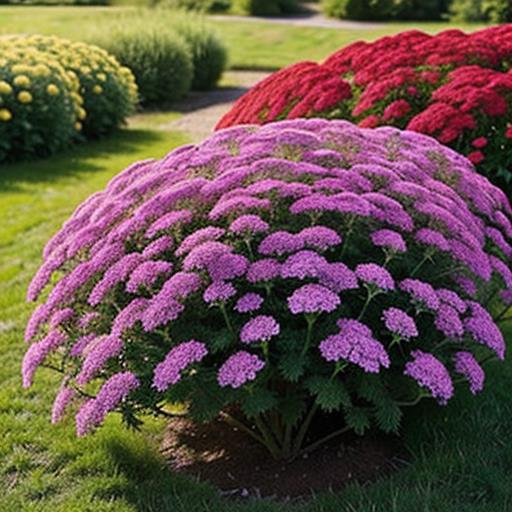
(275, 274)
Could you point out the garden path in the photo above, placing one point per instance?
(201, 110)
(313, 17)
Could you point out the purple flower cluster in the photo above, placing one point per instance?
(430, 373)
(400, 323)
(219, 291)
(168, 372)
(249, 302)
(355, 344)
(260, 328)
(373, 274)
(389, 239)
(280, 220)
(313, 298)
(240, 368)
(421, 293)
(115, 389)
(467, 365)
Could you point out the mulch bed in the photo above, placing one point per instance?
(239, 467)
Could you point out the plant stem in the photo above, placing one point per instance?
(303, 430)
(502, 313)
(369, 298)
(249, 248)
(310, 319)
(269, 441)
(226, 317)
(427, 256)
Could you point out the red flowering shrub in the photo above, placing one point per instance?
(453, 86)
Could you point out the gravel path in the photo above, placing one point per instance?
(202, 110)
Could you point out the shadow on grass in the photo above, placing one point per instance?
(77, 160)
(148, 485)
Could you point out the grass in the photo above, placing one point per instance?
(251, 45)
(461, 455)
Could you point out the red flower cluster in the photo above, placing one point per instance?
(453, 86)
(305, 89)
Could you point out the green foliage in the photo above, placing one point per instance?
(160, 59)
(385, 9)
(357, 419)
(264, 7)
(495, 11)
(169, 52)
(331, 394)
(259, 401)
(195, 5)
(358, 9)
(209, 55)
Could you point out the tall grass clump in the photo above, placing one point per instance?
(169, 52)
(160, 59)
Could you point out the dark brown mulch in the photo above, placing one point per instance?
(240, 467)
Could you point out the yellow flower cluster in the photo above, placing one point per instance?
(102, 82)
(70, 85)
(28, 77)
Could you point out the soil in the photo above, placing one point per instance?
(239, 467)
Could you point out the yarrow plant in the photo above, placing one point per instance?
(454, 86)
(275, 274)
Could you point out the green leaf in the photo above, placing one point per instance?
(386, 411)
(330, 394)
(357, 419)
(291, 366)
(388, 415)
(260, 400)
(220, 340)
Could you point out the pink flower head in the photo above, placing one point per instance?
(313, 298)
(259, 329)
(238, 369)
(430, 373)
(169, 371)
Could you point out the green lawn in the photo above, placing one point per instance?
(461, 455)
(250, 45)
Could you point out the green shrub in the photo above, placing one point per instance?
(358, 9)
(420, 9)
(195, 5)
(385, 9)
(496, 11)
(107, 89)
(39, 103)
(160, 59)
(264, 7)
(209, 56)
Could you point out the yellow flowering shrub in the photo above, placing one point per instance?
(34, 121)
(107, 91)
